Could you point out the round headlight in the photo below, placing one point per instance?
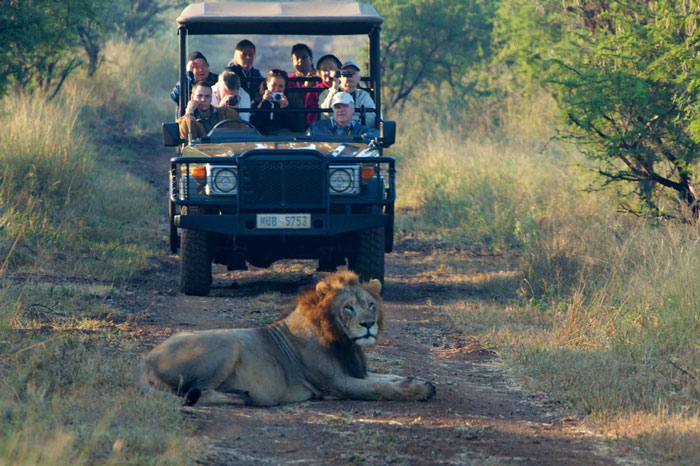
(225, 180)
(341, 180)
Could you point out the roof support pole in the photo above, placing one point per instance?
(375, 71)
(184, 88)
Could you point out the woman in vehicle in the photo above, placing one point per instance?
(272, 97)
(327, 69)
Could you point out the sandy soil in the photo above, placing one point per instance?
(478, 416)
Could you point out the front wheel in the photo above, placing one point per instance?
(195, 260)
(368, 258)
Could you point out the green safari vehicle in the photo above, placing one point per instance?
(238, 197)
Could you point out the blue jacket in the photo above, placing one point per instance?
(327, 127)
(175, 93)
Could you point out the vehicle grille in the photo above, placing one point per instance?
(271, 183)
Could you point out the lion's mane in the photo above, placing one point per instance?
(315, 304)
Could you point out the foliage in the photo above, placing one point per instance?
(40, 39)
(626, 77)
(429, 42)
(125, 20)
(37, 41)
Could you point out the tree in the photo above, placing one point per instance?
(40, 39)
(429, 42)
(128, 20)
(141, 18)
(37, 42)
(626, 76)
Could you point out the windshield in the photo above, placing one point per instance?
(333, 149)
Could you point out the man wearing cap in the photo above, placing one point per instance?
(197, 70)
(349, 80)
(201, 116)
(342, 122)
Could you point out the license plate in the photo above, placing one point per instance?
(283, 221)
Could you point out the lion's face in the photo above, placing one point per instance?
(340, 308)
(358, 314)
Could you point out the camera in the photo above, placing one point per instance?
(275, 96)
(232, 101)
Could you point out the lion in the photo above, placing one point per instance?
(313, 352)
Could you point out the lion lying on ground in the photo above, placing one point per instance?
(314, 352)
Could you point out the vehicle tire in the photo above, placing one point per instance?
(195, 261)
(368, 258)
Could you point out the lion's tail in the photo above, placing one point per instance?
(144, 377)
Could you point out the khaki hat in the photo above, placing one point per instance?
(342, 98)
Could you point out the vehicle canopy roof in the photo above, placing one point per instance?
(311, 18)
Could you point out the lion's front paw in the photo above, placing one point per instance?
(420, 389)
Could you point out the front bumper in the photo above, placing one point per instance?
(329, 214)
(245, 224)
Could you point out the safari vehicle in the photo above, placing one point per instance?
(238, 197)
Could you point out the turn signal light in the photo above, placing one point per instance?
(198, 173)
(366, 173)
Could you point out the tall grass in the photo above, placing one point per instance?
(624, 346)
(607, 311)
(131, 89)
(489, 186)
(46, 167)
(64, 193)
(76, 224)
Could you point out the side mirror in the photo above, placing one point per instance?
(171, 134)
(388, 133)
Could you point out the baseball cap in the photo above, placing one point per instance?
(348, 64)
(342, 98)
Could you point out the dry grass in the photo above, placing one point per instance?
(626, 354)
(66, 394)
(488, 193)
(659, 436)
(602, 310)
(75, 226)
(66, 203)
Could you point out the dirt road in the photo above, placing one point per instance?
(477, 417)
